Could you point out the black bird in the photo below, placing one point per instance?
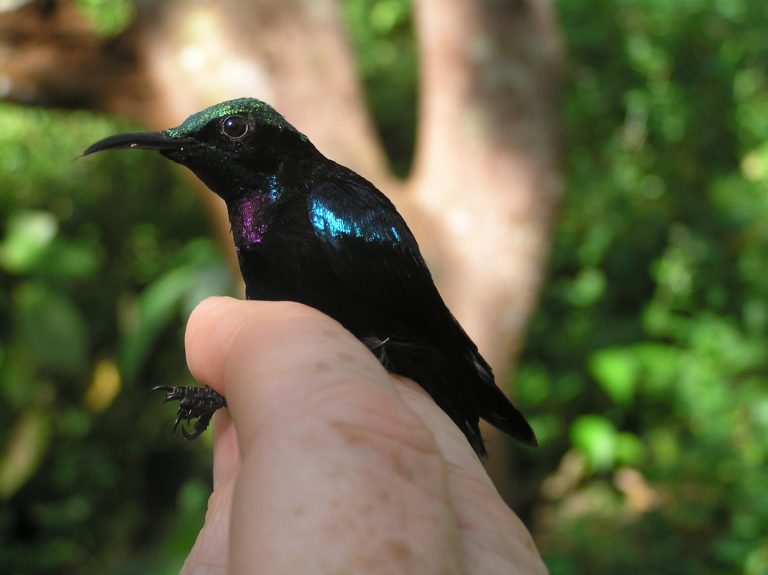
(309, 230)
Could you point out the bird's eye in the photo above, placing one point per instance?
(234, 127)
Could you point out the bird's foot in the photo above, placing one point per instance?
(196, 407)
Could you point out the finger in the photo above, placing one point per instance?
(209, 555)
(493, 539)
(226, 453)
(206, 354)
(336, 471)
(452, 442)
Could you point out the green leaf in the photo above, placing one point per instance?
(28, 237)
(756, 562)
(51, 329)
(108, 17)
(629, 448)
(24, 451)
(660, 365)
(615, 369)
(156, 307)
(587, 288)
(596, 437)
(70, 260)
(201, 274)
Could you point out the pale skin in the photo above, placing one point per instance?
(325, 463)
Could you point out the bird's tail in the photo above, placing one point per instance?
(463, 387)
(494, 407)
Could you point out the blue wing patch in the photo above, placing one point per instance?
(369, 246)
(361, 222)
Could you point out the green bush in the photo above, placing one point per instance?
(656, 402)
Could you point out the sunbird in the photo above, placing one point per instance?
(309, 230)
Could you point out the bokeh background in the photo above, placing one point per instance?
(643, 368)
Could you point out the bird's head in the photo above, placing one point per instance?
(227, 145)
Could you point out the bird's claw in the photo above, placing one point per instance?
(196, 407)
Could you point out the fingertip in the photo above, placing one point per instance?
(226, 332)
(210, 328)
(203, 310)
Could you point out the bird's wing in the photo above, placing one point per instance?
(369, 246)
(374, 254)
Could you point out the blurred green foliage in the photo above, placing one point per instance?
(107, 17)
(658, 294)
(381, 32)
(645, 365)
(101, 260)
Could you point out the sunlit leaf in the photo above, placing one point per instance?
(24, 451)
(104, 387)
(756, 562)
(107, 16)
(595, 436)
(28, 235)
(616, 370)
(587, 288)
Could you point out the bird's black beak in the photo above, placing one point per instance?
(139, 140)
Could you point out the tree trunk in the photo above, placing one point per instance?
(487, 167)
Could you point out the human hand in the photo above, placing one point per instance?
(325, 463)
